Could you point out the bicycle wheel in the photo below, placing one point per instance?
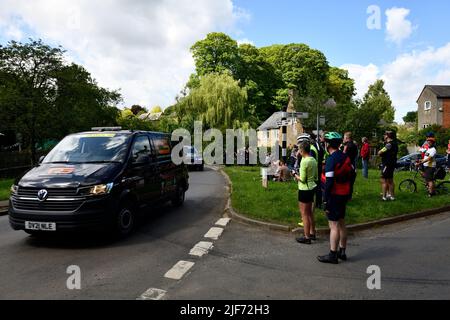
(443, 188)
(408, 185)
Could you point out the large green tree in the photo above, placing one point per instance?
(41, 97)
(215, 54)
(218, 101)
(378, 100)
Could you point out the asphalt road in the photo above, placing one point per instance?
(245, 263)
(33, 268)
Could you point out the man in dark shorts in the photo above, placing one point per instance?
(429, 165)
(388, 164)
(338, 173)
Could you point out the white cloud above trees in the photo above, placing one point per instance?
(139, 46)
(405, 76)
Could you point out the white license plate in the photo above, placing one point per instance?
(42, 226)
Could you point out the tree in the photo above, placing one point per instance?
(411, 117)
(218, 101)
(340, 86)
(156, 109)
(215, 54)
(41, 97)
(137, 109)
(377, 99)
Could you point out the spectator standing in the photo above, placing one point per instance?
(307, 179)
(365, 157)
(338, 174)
(448, 155)
(429, 163)
(351, 150)
(388, 163)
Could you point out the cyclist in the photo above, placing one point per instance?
(429, 163)
(389, 162)
(338, 174)
(351, 150)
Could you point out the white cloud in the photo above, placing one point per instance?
(406, 76)
(398, 28)
(364, 76)
(139, 46)
(245, 41)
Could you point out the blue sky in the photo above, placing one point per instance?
(338, 28)
(142, 47)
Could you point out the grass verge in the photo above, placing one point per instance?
(279, 204)
(5, 187)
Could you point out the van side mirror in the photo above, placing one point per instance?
(41, 159)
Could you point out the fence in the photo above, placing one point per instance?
(13, 164)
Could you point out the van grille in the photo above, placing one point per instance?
(35, 205)
(32, 192)
(31, 202)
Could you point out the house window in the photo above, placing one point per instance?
(426, 126)
(427, 105)
(268, 135)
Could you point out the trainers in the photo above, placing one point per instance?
(385, 199)
(392, 198)
(300, 224)
(329, 258)
(313, 237)
(303, 240)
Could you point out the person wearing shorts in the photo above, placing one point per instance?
(336, 195)
(429, 164)
(389, 162)
(307, 179)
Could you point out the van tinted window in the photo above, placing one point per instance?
(141, 149)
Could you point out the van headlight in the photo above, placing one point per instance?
(14, 189)
(101, 189)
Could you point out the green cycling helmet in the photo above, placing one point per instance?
(329, 136)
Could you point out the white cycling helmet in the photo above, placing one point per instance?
(304, 137)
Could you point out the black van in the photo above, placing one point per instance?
(97, 179)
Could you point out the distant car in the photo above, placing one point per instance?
(407, 162)
(192, 158)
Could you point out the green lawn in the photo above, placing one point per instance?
(279, 203)
(5, 187)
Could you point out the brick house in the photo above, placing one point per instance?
(434, 106)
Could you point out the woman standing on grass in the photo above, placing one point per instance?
(307, 189)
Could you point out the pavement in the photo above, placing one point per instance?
(193, 253)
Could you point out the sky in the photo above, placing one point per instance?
(142, 46)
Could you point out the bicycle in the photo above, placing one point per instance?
(442, 188)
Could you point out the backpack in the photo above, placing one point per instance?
(344, 171)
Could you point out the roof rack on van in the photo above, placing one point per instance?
(106, 129)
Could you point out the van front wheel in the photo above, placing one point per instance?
(124, 222)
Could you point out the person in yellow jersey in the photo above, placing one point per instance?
(307, 184)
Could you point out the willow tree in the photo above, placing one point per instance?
(218, 101)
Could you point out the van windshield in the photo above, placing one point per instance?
(90, 148)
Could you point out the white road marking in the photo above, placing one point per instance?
(214, 233)
(152, 294)
(201, 248)
(223, 222)
(179, 270)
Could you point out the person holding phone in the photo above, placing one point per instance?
(307, 178)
